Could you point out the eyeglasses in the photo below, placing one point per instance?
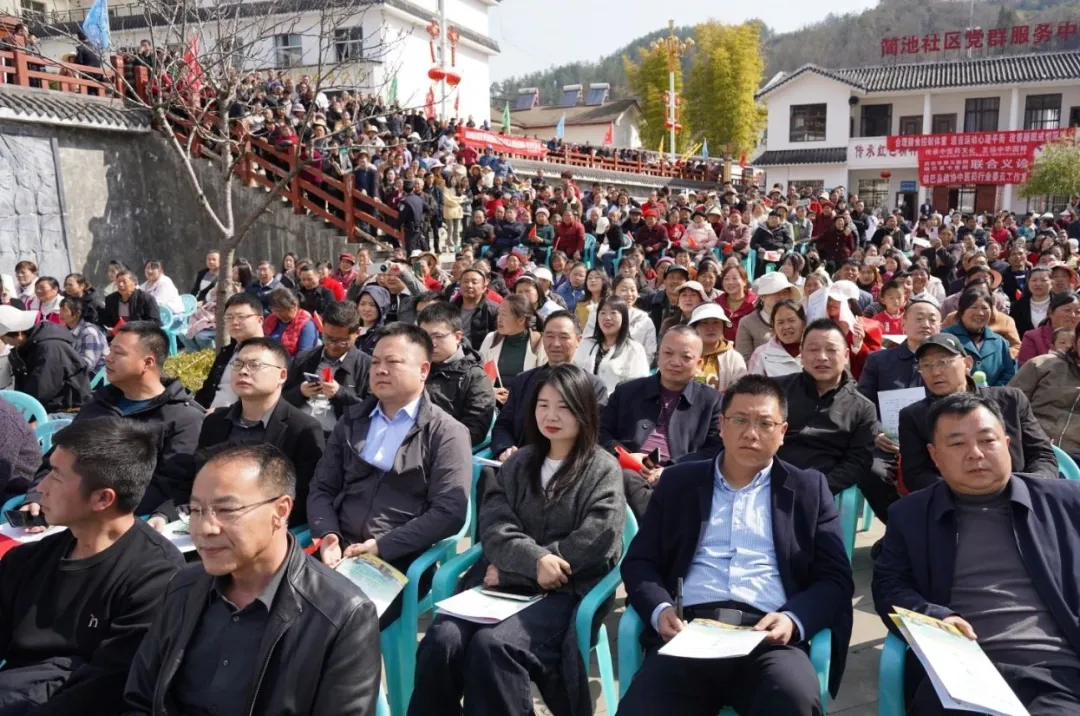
(439, 336)
(252, 366)
(740, 423)
(221, 515)
(337, 341)
(927, 367)
(237, 318)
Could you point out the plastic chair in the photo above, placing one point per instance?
(28, 405)
(44, 432)
(588, 256)
(473, 502)
(13, 504)
(190, 303)
(891, 677)
(1066, 465)
(447, 577)
(750, 265)
(99, 379)
(630, 656)
(848, 504)
(167, 321)
(867, 514)
(487, 440)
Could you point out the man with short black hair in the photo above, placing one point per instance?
(243, 320)
(478, 314)
(261, 416)
(129, 303)
(264, 284)
(340, 367)
(457, 382)
(314, 298)
(256, 627)
(75, 605)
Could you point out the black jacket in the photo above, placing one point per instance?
(482, 322)
(833, 433)
(201, 295)
(463, 389)
(315, 300)
(1021, 314)
(141, 307)
(289, 429)
(766, 239)
(319, 656)
(632, 410)
(92, 305)
(47, 367)
(179, 420)
(209, 388)
(351, 375)
(892, 369)
(509, 429)
(1029, 446)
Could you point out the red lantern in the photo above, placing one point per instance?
(436, 74)
(678, 127)
(453, 78)
(668, 124)
(886, 174)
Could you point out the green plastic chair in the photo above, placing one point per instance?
(848, 504)
(630, 656)
(1066, 465)
(447, 577)
(44, 432)
(28, 405)
(99, 379)
(891, 677)
(168, 324)
(588, 256)
(750, 265)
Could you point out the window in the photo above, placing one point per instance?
(31, 9)
(1074, 117)
(232, 51)
(287, 51)
(807, 123)
(349, 43)
(966, 198)
(876, 120)
(1043, 204)
(874, 193)
(1042, 111)
(911, 125)
(981, 114)
(943, 124)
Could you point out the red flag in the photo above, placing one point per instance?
(429, 104)
(457, 106)
(193, 78)
(628, 461)
(492, 370)
(609, 135)
(742, 160)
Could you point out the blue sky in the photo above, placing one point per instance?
(536, 34)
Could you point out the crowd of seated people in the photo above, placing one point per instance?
(693, 391)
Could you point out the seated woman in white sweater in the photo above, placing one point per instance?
(642, 329)
(161, 287)
(781, 355)
(609, 352)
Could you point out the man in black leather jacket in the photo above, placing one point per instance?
(258, 627)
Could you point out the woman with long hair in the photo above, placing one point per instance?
(114, 269)
(161, 287)
(597, 288)
(642, 329)
(513, 346)
(287, 273)
(550, 524)
(869, 280)
(609, 352)
(1064, 313)
(532, 289)
(737, 299)
(989, 350)
(781, 355)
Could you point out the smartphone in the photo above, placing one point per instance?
(312, 378)
(652, 460)
(18, 518)
(520, 594)
(418, 268)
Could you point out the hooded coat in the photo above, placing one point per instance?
(460, 386)
(48, 368)
(381, 297)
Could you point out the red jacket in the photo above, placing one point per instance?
(871, 342)
(745, 309)
(836, 246)
(652, 240)
(334, 286)
(570, 238)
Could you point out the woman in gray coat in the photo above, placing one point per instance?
(551, 524)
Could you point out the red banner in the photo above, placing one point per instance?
(981, 152)
(978, 139)
(1041, 34)
(519, 146)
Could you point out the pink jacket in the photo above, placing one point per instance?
(1037, 342)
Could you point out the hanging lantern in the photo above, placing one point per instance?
(453, 36)
(436, 74)
(886, 174)
(678, 127)
(668, 124)
(453, 78)
(434, 31)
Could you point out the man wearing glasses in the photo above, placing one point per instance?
(326, 380)
(261, 416)
(748, 540)
(257, 627)
(945, 366)
(243, 320)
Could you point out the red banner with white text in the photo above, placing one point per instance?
(519, 146)
(978, 139)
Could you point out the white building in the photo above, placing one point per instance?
(589, 113)
(368, 42)
(829, 128)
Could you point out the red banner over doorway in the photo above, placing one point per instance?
(519, 146)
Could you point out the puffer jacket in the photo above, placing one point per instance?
(462, 388)
(1050, 382)
(48, 368)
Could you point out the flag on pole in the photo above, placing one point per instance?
(560, 128)
(391, 96)
(742, 160)
(661, 149)
(506, 118)
(609, 135)
(96, 25)
(705, 148)
(193, 79)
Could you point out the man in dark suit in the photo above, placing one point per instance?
(706, 524)
(243, 320)
(669, 412)
(995, 553)
(260, 415)
(129, 303)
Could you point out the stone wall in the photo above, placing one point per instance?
(31, 221)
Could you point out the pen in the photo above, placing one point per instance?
(678, 598)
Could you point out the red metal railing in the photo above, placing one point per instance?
(27, 70)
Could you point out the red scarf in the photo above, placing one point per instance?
(290, 339)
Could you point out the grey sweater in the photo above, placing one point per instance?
(584, 525)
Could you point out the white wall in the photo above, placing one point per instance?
(832, 174)
(902, 106)
(626, 135)
(470, 14)
(809, 88)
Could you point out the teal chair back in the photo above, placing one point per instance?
(750, 264)
(168, 324)
(44, 432)
(13, 504)
(190, 303)
(1066, 465)
(588, 256)
(99, 379)
(28, 405)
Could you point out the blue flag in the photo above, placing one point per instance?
(560, 128)
(705, 148)
(96, 25)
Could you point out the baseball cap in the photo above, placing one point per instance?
(677, 267)
(543, 273)
(13, 320)
(946, 341)
(706, 311)
(691, 286)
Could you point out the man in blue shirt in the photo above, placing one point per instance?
(750, 541)
(395, 476)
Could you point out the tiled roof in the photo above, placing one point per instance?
(1016, 69)
(783, 157)
(74, 110)
(580, 114)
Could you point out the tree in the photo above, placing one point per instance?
(1056, 172)
(197, 85)
(648, 80)
(727, 71)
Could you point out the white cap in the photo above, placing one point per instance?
(844, 291)
(12, 320)
(708, 310)
(775, 282)
(543, 273)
